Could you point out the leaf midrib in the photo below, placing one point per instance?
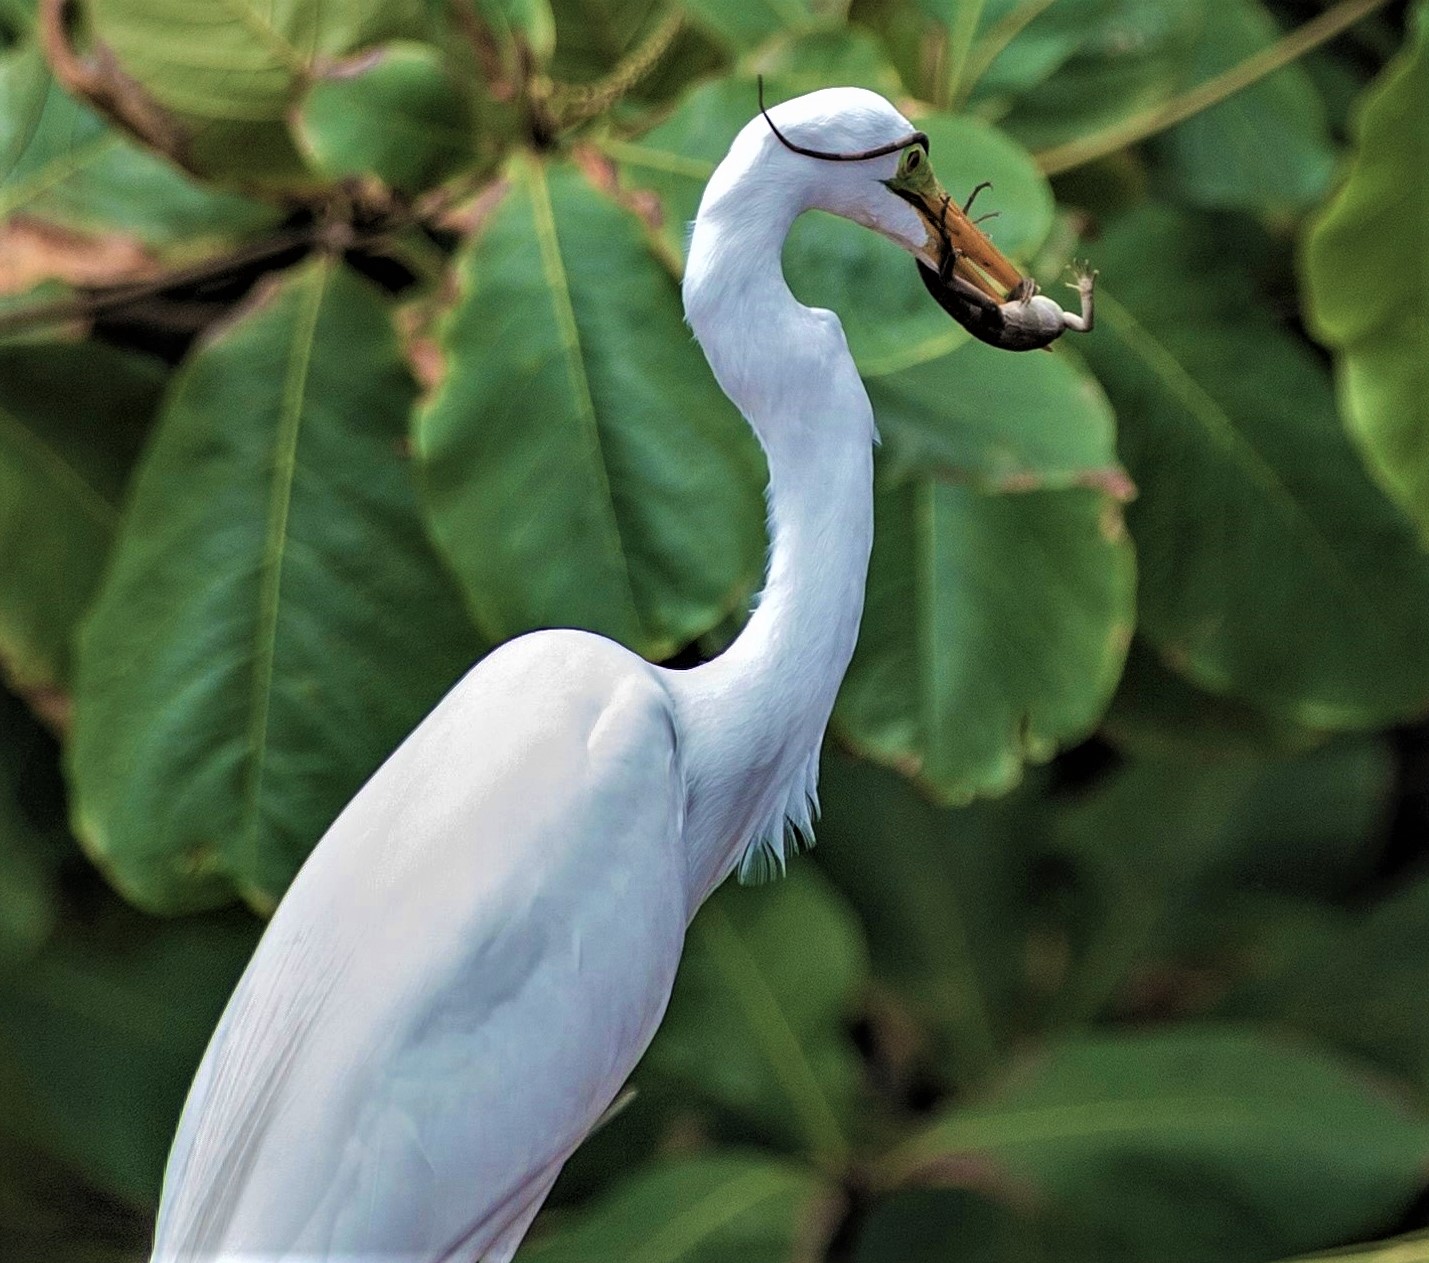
(553, 269)
(974, 1130)
(1223, 432)
(697, 1220)
(780, 1045)
(280, 494)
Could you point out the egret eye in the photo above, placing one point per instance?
(912, 160)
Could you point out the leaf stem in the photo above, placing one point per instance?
(1213, 91)
(961, 28)
(987, 50)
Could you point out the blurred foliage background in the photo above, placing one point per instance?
(341, 341)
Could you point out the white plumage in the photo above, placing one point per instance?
(482, 946)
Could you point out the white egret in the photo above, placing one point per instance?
(478, 951)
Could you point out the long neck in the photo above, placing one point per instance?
(753, 719)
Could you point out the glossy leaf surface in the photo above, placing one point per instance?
(994, 630)
(1252, 503)
(63, 165)
(1266, 146)
(392, 113)
(1364, 262)
(72, 420)
(582, 468)
(1192, 1139)
(698, 1210)
(761, 1029)
(251, 659)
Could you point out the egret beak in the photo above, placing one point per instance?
(955, 245)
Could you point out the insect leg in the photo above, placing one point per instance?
(967, 206)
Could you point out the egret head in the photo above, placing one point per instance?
(855, 155)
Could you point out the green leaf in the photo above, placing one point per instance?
(581, 466)
(591, 36)
(72, 418)
(1267, 146)
(1159, 713)
(993, 631)
(943, 895)
(706, 1209)
(274, 620)
(1199, 1143)
(997, 422)
(759, 1028)
(1203, 834)
(1021, 43)
(822, 58)
(1363, 987)
(1363, 264)
(918, 1225)
(47, 1212)
(1411, 1248)
(392, 113)
(60, 163)
(1272, 568)
(531, 20)
(746, 25)
(101, 1033)
(1132, 58)
(33, 840)
(229, 70)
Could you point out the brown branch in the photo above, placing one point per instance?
(99, 81)
(89, 304)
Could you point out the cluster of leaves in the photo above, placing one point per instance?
(369, 357)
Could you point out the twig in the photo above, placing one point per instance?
(1213, 91)
(100, 82)
(86, 306)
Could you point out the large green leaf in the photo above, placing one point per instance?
(72, 417)
(60, 163)
(997, 422)
(745, 25)
(994, 630)
(1200, 1143)
(1020, 43)
(393, 113)
(581, 466)
(1132, 57)
(1272, 568)
(759, 1029)
(1267, 146)
(1159, 713)
(228, 70)
(709, 1209)
(1411, 1248)
(274, 620)
(1363, 986)
(1164, 850)
(100, 1035)
(944, 897)
(921, 1225)
(1364, 264)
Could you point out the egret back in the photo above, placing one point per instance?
(458, 982)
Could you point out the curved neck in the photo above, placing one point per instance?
(753, 719)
